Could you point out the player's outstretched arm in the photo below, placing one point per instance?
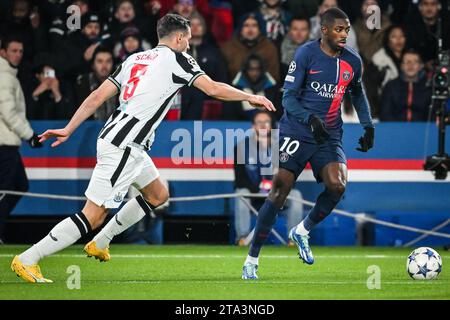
(97, 97)
(223, 91)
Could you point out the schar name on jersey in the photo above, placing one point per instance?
(146, 56)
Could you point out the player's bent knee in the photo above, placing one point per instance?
(337, 188)
(278, 196)
(155, 200)
(161, 198)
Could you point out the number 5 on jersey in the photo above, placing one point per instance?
(137, 71)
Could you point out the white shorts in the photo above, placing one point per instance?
(116, 170)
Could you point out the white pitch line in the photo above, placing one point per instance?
(213, 256)
(259, 282)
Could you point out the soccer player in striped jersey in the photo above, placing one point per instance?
(311, 131)
(147, 83)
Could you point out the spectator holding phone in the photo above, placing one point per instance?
(51, 97)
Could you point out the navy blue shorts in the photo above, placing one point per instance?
(295, 154)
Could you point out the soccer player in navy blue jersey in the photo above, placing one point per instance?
(322, 72)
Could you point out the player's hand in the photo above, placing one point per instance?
(367, 140)
(261, 102)
(318, 129)
(61, 136)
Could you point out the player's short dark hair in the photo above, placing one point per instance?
(6, 41)
(300, 17)
(328, 17)
(171, 23)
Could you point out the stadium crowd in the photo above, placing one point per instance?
(248, 44)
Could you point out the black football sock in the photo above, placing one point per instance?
(266, 219)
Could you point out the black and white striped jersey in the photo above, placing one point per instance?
(148, 82)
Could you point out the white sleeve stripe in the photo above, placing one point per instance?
(115, 82)
(195, 77)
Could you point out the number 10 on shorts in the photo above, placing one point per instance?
(288, 146)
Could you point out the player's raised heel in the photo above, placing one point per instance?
(302, 243)
(92, 250)
(249, 271)
(30, 273)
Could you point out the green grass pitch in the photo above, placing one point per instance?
(214, 272)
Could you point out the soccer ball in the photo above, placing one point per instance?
(424, 264)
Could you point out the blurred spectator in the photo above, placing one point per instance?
(24, 22)
(422, 30)
(130, 43)
(102, 67)
(385, 65)
(184, 8)
(408, 97)
(387, 60)
(276, 20)
(248, 39)
(307, 8)
(298, 34)
(255, 80)
(210, 60)
(253, 174)
(125, 16)
(369, 41)
(81, 44)
(316, 33)
(13, 128)
(52, 98)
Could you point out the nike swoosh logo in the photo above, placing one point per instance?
(314, 71)
(118, 222)
(53, 238)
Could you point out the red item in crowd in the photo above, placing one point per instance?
(221, 25)
(167, 6)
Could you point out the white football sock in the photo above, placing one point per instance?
(64, 234)
(252, 260)
(132, 212)
(301, 229)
